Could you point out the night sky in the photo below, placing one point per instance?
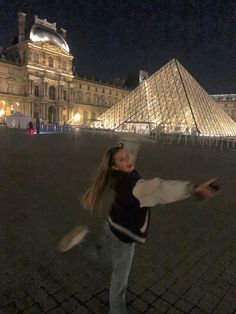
(110, 38)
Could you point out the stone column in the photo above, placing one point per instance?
(21, 26)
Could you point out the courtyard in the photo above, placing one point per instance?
(186, 266)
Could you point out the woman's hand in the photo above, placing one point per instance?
(206, 189)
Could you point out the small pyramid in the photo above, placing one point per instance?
(170, 101)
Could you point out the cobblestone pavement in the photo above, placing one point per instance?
(188, 264)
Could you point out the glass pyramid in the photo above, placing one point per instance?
(170, 101)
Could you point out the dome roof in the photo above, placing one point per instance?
(42, 33)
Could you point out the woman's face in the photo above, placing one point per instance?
(122, 161)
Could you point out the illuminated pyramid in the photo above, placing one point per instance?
(170, 101)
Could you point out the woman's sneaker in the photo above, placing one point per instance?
(74, 237)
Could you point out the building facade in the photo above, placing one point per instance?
(36, 78)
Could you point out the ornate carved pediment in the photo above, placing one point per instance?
(44, 22)
(53, 48)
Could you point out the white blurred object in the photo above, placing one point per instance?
(74, 237)
(18, 120)
(131, 145)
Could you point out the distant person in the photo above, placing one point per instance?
(129, 215)
(37, 125)
(31, 127)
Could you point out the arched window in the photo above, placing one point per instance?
(36, 57)
(36, 90)
(50, 62)
(51, 114)
(52, 92)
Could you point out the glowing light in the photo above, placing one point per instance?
(186, 110)
(32, 67)
(77, 117)
(50, 71)
(67, 75)
(17, 104)
(2, 112)
(74, 119)
(3, 102)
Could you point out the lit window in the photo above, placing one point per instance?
(52, 92)
(36, 91)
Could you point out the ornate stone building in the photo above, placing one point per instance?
(36, 78)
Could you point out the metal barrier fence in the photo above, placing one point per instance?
(168, 138)
(53, 128)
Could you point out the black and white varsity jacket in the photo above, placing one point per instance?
(129, 214)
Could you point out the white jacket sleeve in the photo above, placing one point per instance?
(158, 191)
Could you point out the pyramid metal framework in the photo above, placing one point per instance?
(170, 101)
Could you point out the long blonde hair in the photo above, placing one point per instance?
(93, 198)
